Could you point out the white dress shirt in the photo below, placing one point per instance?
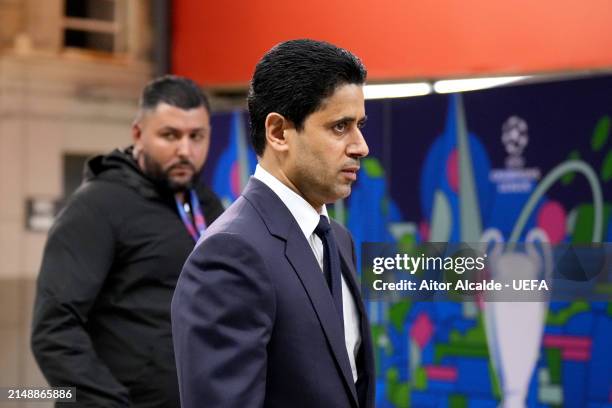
(308, 219)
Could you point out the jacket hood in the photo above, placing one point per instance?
(120, 167)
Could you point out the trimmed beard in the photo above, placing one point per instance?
(161, 177)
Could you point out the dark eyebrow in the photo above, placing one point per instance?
(168, 128)
(173, 129)
(348, 119)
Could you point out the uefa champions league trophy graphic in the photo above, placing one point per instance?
(514, 328)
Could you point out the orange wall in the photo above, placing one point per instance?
(219, 42)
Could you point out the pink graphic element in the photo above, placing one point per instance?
(551, 218)
(567, 342)
(573, 348)
(452, 170)
(235, 179)
(424, 230)
(421, 330)
(576, 354)
(441, 373)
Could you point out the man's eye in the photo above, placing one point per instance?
(361, 124)
(168, 135)
(197, 136)
(340, 127)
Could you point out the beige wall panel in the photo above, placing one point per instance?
(31, 373)
(10, 352)
(12, 312)
(11, 169)
(43, 175)
(11, 246)
(34, 243)
(82, 138)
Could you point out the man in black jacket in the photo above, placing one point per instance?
(102, 311)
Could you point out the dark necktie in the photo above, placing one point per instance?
(331, 263)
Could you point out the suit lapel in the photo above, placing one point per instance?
(302, 259)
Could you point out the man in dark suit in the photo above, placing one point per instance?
(267, 311)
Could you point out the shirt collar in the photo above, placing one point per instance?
(305, 215)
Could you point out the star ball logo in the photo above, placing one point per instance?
(514, 177)
(515, 139)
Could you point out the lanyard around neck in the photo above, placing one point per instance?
(198, 229)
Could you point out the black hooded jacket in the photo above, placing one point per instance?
(102, 309)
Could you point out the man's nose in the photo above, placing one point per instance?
(358, 148)
(184, 146)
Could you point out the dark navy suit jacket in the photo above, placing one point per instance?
(253, 320)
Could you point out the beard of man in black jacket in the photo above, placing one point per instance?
(102, 310)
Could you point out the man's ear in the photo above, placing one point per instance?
(136, 139)
(136, 133)
(276, 131)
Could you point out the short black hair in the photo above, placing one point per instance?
(293, 78)
(173, 90)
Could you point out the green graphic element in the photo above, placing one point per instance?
(472, 344)
(372, 168)
(600, 134)
(397, 393)
(570, 222)
(457, 401)
(553, 358)
(407, 241)
(569, 177)
(562, 316)
(584, 226)
(398, 312)
(464, 350)
(379, 333)
(604, 289)
(474, 336)
(606, 168)
(495, 386)
(420, 379)
(547, 182)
